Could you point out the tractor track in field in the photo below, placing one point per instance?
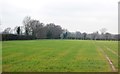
(107, 58)
(112, 51)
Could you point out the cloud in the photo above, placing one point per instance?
(82, 15)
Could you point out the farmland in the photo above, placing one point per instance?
(60, 56)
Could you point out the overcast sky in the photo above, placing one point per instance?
(74, 15)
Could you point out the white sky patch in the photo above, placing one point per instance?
(74, 15)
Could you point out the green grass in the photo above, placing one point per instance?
(0, 56)
(112, 45)
(58, 56)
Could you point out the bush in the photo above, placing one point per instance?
(6, 37)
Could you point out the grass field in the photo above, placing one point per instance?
(59, 56)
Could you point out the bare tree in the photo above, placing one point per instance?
(95, 35)
(84, 35)
(26, 23)
(22, 30)
(7, 31)
(103, 30)
(77, 35)
(53, 31)
(108, 36)
(0, 26)
(39, 30)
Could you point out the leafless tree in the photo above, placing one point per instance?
(26, 23)
(103, 30)
(94, 35)
(53, 31)
(77, 35)
(108, 36)
(7, 31)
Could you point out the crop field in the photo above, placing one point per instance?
(60, 56)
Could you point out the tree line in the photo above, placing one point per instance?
(91, 36)
(34, 29)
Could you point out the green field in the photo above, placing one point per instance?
(59, 56)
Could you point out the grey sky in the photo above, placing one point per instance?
(74, 15)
